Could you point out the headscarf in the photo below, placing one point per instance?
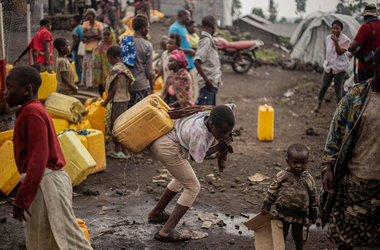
(91, 11)
(101, 64)
(182, 85)
(180, 57)
(128, 51)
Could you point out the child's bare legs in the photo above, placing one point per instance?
(158, 210)
(297, 233)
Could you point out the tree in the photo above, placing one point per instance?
(258, 11)
(283, 20)
(236, 6)
(349, 7)
(301, 7)
(272, 11)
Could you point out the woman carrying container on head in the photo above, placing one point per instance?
(336, 63)
(92, 34)
(195, 136)
(178, 88)
(101, 64)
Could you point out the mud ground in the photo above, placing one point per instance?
(115, 203)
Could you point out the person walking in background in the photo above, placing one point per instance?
(366, 42)
(77, 37)
(112, 13)
(142, 68)
(42, 48)
(173, 43)
(65, 74)
(351, 202)
(208, 64)
(194, 39)
(81, 6)
(101, 64)
(336, 63)
(44, 199)
(92, 34)
(178, 90)
(179, 27)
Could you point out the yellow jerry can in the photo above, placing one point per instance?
(159, 84)
(60, 125)
(96, 115)
(79, 162)
(84, 229)
(75, 72)
(48, 85)
(85, 124)
(8, 68)
(96, 148)
(140, 125)
(83, 140)
(65, 107)
(5, 136)
(9, 175)
(265, 123)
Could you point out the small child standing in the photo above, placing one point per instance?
(65, 73)
(116, 87)
(294, 194)
(173, 43)
(207, 62)
(44, 199)
(178, 88)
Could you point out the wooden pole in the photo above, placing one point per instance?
(2, 62)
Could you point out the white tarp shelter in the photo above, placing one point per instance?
(309, 38)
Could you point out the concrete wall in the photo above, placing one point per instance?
(220, 9)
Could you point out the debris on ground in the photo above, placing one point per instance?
(231, 242)
(195, 235)
(206, 224)
(310, 131)
(258, 177)
(251, 202)
(244, 215)
(91, 192)
(3, 220)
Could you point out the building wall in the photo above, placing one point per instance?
(220, 9)
(255, 33)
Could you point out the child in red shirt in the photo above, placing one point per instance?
(45, 194)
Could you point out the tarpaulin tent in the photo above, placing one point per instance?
(309, 38)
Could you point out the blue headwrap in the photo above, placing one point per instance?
(128, 51)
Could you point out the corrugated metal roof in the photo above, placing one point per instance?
(259, 26)
(258, 19)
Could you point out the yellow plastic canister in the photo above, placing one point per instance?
(159, 84)
(85, 124)
(65, 107)
(265, 123)
(8, 68)
(79, 162)
(75, 72)
(9, 175)
(84, 229)
(96, 115)
(6, 135)
(60, 125)
(140, 125)
(159, 14)
(96, 148)
(83, 140)
(48, 85)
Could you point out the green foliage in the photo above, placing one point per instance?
(349, 7)
(283, 20)
(265, 55)
(236, 6)
(223, 34)
(247, 34)
(258, 11)
(301, 6)
(272, 11)
(284, 40)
